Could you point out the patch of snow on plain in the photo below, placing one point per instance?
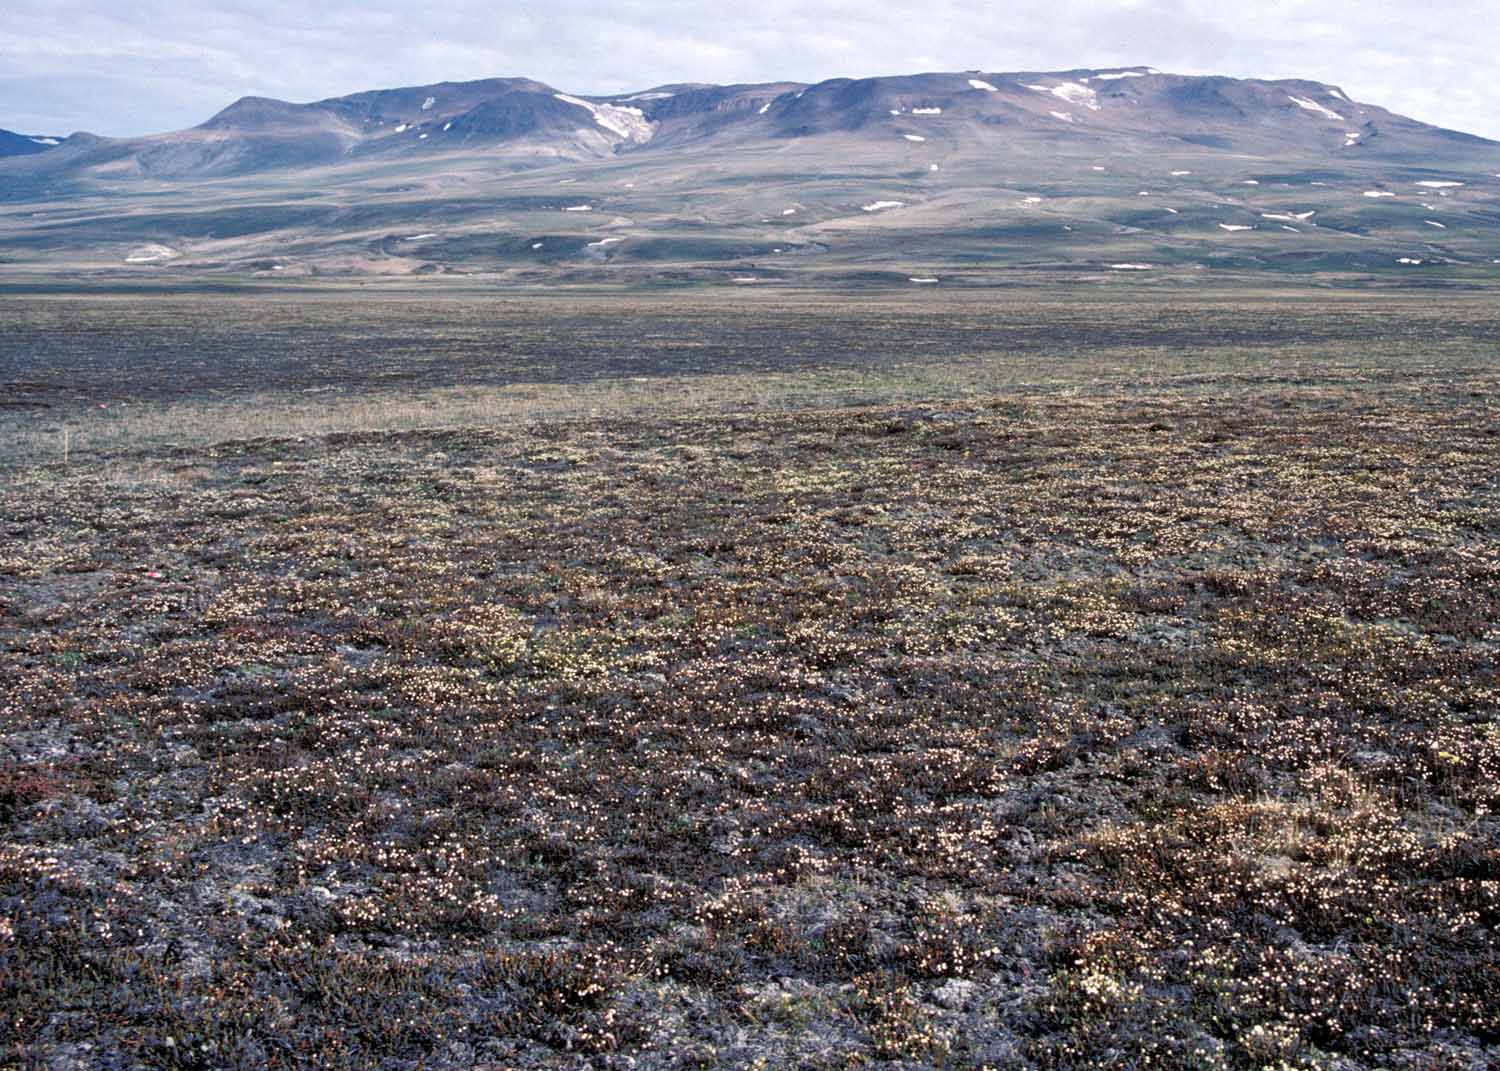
(1435, 223)
(975, 83)
(401, 129)
(1294, 230)
(1378, 193)
(536, 245)
(921, 279)
(151, 254)
(428, 103)
(422, 137)
(447, 127)
(1144, 193)
(1132, 267)
(1251, 182)
(745, 279)
(1235, 227)
(895, 111)
(1433, 185)
(876, 206)
(604, 242)
(1096, 167)
(933, 167)
(913, 137)
(1063, 116)
(1179, 174)
(788, 211)
(1314, 106)
(1032, 201)
(418, 237)
(579, 208)
(1408, 260)
(927, 111)
(628, 123)
(1171, 210)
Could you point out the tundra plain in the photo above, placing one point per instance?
(1065, 676)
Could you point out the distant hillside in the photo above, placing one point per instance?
(1116, 170)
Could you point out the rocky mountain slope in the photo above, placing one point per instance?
(13, 144)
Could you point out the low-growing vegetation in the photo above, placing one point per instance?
(1107, 727)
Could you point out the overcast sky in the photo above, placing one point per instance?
(120, 67)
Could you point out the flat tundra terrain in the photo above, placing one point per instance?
(1013, 681)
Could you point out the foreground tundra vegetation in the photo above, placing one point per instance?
(1122, 729)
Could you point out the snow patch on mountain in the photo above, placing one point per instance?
(927, 111)
(1435, 185)
(977, 84)
(629, 124)
(1314, 106)
(1072, 92)
(428, 103)
(876, 206)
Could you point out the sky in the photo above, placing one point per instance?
(127, 67)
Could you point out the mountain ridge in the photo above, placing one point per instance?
(495, 111)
